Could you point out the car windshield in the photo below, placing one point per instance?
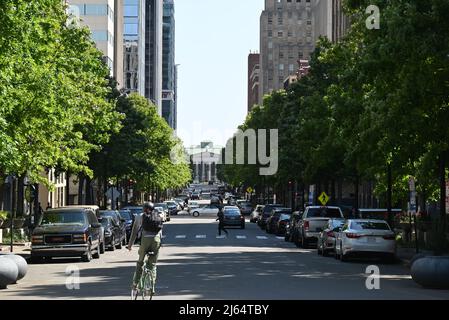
(369, 225)
(161, 205)
(232, 212)
(71, 218)
(323, 213)
(285, 216)
(135, 211)
(108, 214)
(337, 223)
(126, 215)
(267, 209)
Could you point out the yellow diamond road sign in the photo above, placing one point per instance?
(324, 198)
(250, 190)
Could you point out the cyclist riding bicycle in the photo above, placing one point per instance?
(149, 223)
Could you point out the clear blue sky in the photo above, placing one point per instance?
(213, 40)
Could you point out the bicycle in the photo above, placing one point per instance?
(145, 285)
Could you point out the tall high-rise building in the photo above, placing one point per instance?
(289, 30)
(153, 52)
(168, 64)
(253, 79)
(102, 17)
(331, 20)
(134, 46)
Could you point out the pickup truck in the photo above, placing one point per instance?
(313, 221)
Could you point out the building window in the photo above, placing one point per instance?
(270, 56)
(281, 55)
(270, 45)
(281, 67)
(270, 33)
(280, 34)
(100, 35)
(291, 68)
(96, 10)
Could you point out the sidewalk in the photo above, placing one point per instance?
(22, 249)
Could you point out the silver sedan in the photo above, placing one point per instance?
(365, 237)
(327, 237)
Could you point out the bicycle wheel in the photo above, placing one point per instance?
(147, 291)
(134, 294)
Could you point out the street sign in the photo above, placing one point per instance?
(311, 195)
(249, 190)
(324, 198)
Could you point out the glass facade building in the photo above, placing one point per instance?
(134, 46)
(168, 64)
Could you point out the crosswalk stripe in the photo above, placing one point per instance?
(280, 238)
(181, 237)
(240, 237)
(262, 237)
(221, 237)
(201, 236)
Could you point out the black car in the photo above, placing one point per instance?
(262, 222)
(246, 208)
(112, 233)
(69, 232)
(272, 221)
(119, 221)
(233, 217)
(129, 221)
(290, 227)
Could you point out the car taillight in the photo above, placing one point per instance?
(306, 225)
(390, 237)
(331, 234)
(353, 236)
(37, 239)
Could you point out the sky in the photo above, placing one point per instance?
(213, 40)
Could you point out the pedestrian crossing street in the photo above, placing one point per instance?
(204, 236)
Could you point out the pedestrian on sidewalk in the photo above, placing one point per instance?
(220, 220)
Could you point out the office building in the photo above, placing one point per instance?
(153, 52)
(134, 46)
(168, 64)
(253, 80)
(103, 17)
(289, 30)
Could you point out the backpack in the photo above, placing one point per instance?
(152, 223)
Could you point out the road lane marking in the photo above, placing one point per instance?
(180, 237)
(262, 237)
(240, 237)
(280, 238)
(221, 237)
(200, 236)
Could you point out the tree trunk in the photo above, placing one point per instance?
(20, 196)
(389, 196)
(89, 192)
(356, 195)
(67, 189)
(80, 189)
(340, 191)
(442, 174)
(333, 195)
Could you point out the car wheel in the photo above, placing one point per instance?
(318, 249)
(343, 257)
(303, 242)
(102, 248)
(119, 245)
(287, 238)
(96, 255)
(87, 257)
(37, 260)
(196, 214)
(112, 244)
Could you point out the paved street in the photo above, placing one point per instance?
(195, 264)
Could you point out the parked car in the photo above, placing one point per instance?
(112, 233)
(281, 226)
(129, 221)
(173, 207)
(313, 221)
(246, 208)
(180, 202)
(195, 195)
(67, 232)
(210, 209)
(135, 210)
(365, 237)
(192, 206)
(291, 226)
(233, 217)
(272, 221)
(164, 206)
(121, 223)
(255, 215)
(327, 237)
(266, 214)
